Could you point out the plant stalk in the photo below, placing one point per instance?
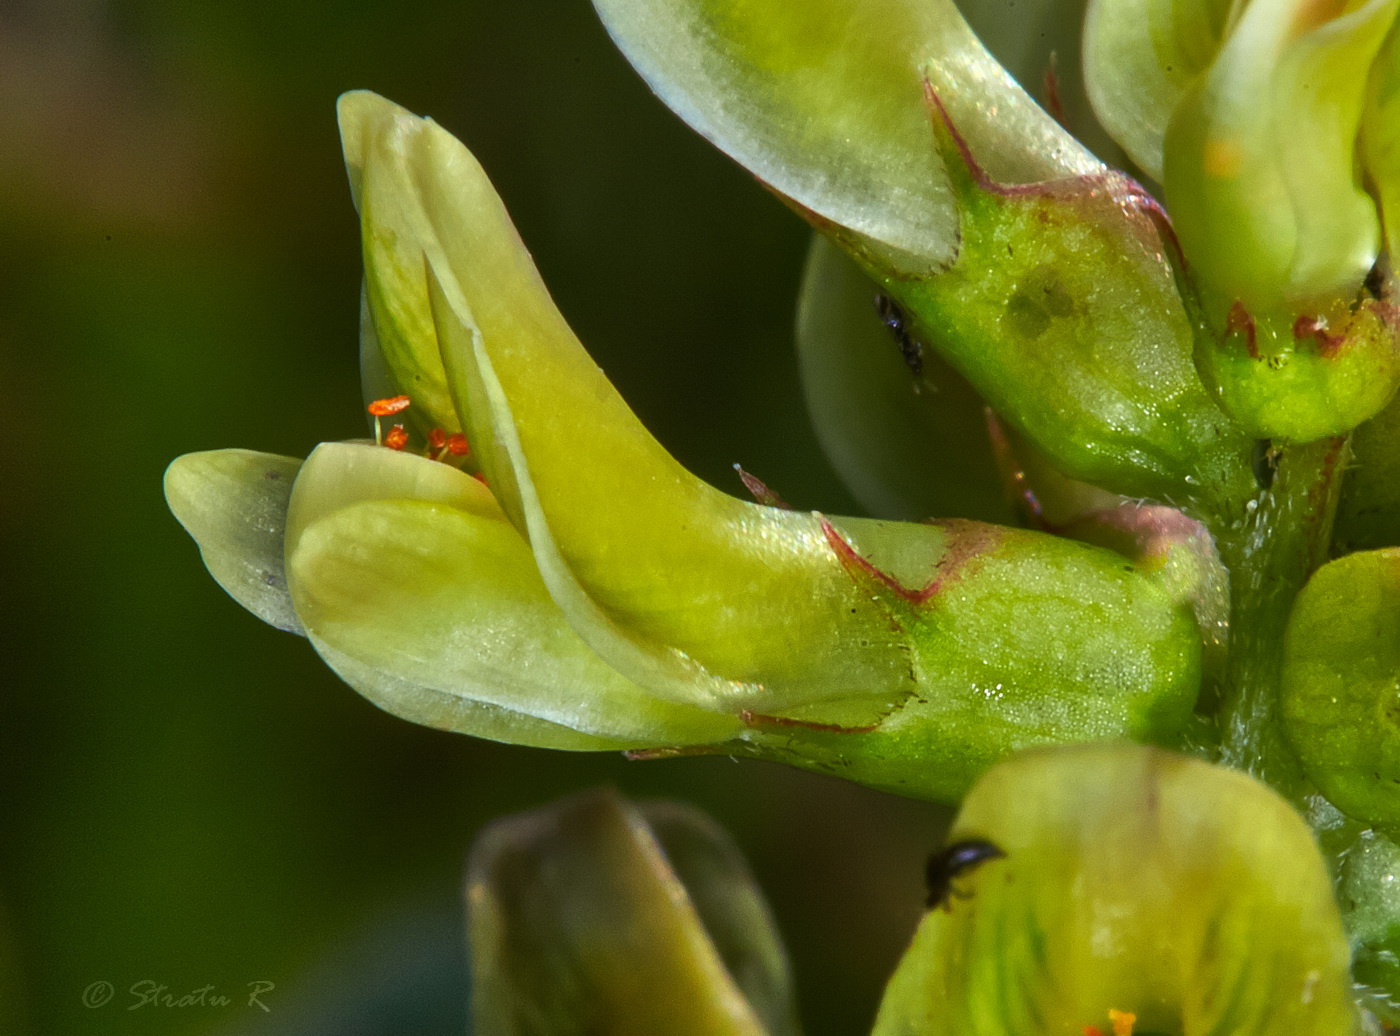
(1270, 549)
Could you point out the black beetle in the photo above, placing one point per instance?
(953, 860)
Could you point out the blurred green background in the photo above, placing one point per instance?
(189, 797)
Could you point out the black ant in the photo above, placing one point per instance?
(952, 861)
(894, 318)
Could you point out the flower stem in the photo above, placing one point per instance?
(1281, 536)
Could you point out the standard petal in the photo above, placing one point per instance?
(907, 433)
(234, 504)
(823, 101)
(1140, 57)
(697, 595)
(1260, 167)
(1380, 136)
(1135, 882)
(419, 592)
(398, 343)
(579, 925)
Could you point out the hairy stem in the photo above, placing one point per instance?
(1271, 548)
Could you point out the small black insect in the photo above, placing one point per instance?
(1264, 459)
(952, 861)
(1375, 281)
(894, 318)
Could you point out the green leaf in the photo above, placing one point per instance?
(234, 504)
(421, 595)
(1341, 675)
(909, 445)
(823, 101)
(1136, 881)
(579, 925)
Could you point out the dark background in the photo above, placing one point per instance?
(189, 796)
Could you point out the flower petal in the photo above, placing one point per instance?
(234, 504)
(697, 595)
(1140, 57)
(1380, 136)
(823, 101)
(1136, 881)
(418, 591)
(909, 445)
(730, 906)
(1260, 163)
(397, 325)
(578, 925)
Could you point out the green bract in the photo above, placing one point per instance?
(1133, 882)
(599, 596)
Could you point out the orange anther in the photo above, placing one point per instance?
(437, 438)
(392, 405)
(457, 445)
(1092, 1030)
(1123, 1022)
(397, 438)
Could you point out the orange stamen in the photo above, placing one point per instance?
(397, 438)
(1092, 1030)
(457, 445)
(1123, 1022)
(437, 438)
(387, 407)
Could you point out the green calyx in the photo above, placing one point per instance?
(1061, 308)
(1306, 376)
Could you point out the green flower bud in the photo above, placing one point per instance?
(593, 594)
(1249, 115)
(1340, 706)
(597, 915)
(1138, 892)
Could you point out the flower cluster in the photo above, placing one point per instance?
(1164, 378)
